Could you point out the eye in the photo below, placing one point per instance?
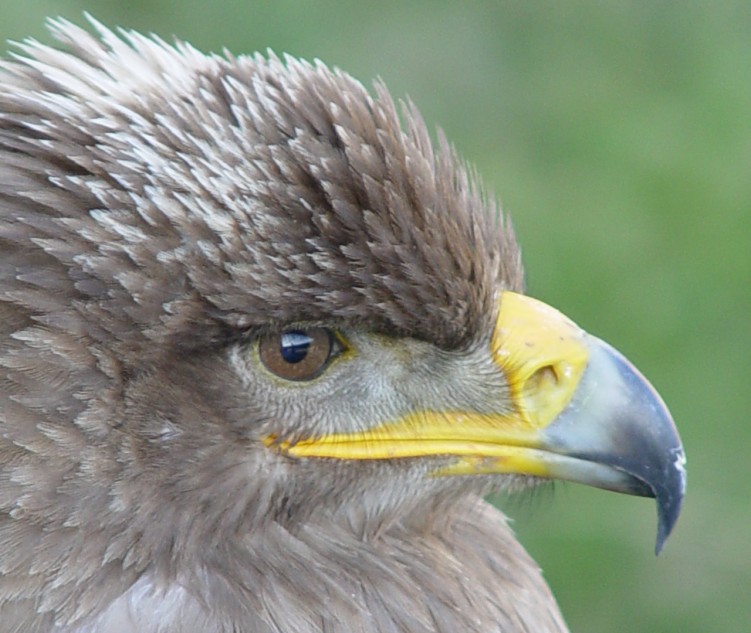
(297, 354)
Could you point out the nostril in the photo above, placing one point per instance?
(546, 391)
(542, 379)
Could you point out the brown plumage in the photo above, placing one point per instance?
(164, 215)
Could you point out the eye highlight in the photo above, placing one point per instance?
(298, 355)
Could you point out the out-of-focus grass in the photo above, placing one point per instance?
(618, 136)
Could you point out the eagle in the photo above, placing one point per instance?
(265, 347)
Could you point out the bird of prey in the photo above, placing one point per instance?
(264, 347)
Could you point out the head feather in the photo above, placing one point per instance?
(172, 188)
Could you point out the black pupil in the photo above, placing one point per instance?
(295, 345)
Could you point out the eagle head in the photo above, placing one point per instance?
(256, 321)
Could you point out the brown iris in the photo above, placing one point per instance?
(297, 354)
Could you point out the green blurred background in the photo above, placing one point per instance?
(618, 136)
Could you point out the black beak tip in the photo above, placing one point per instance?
(669, 497)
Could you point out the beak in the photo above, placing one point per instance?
(616, 433)
(576, 410)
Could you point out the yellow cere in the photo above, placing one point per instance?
(541, 352)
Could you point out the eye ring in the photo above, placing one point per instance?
(297, 354)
